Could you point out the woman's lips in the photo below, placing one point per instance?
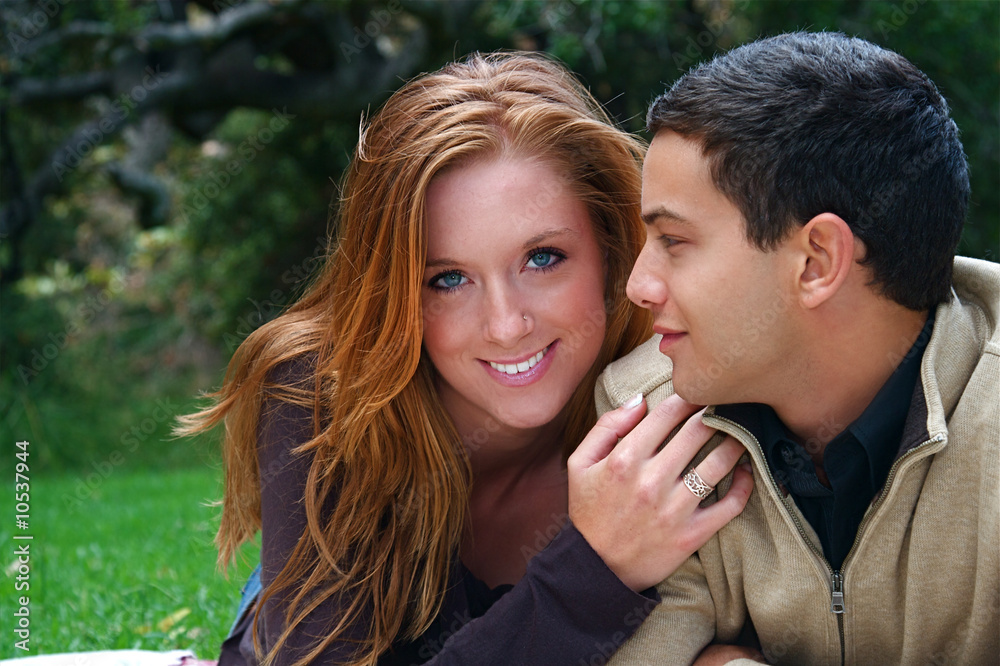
(532, 374)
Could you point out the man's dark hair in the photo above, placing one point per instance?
(806, 123)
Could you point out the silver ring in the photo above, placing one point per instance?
(696, 485)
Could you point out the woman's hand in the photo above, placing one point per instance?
(629, 500)
(719, 655)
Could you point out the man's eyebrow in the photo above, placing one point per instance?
(663, 213)
(529, 244)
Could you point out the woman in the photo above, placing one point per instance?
(400, 434)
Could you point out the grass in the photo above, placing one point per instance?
(124, 561)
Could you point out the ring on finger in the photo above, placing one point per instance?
(697, 485)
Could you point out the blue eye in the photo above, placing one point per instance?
(449, 280)
(543, 258)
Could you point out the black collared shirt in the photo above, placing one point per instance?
(856, 462)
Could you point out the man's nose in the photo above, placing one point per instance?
(646, 286)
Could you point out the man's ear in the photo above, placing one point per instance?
(827, 249)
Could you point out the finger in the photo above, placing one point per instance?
(709, 520)
(646, 438)
(675, 458)
(720, 461)
(603, 437)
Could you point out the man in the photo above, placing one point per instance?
(804, 197)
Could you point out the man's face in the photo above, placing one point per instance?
(724, 308)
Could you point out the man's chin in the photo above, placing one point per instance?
(697, 391)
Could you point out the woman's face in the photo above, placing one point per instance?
(513, 297)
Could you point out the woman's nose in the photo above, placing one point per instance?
(507, 318)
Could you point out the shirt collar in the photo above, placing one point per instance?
(879, 428)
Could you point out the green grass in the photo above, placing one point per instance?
(122, 562)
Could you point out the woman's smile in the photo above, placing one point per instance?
(524, 372)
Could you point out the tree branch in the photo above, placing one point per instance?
(31, 90)
(160, 36)
(72, 30)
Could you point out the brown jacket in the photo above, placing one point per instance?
(922, 583)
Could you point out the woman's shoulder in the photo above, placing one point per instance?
(297, 372)
(287, 412)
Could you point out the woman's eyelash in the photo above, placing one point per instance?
(551, 257)
(433, 282)
(558, 255)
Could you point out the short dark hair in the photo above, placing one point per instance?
(806, 123)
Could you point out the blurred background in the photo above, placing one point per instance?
(166, 176)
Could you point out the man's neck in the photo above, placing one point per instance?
(849, 365)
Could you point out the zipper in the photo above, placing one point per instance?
(837, 594)
(837, 607)
(763, 466)
(837, 604)
(837, 579)
(936, 439)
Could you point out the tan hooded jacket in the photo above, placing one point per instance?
(921, 584)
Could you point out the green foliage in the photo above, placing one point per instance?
(250, 199)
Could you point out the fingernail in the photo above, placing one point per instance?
(748, 467)
(634, 402)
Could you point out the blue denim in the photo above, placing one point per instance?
(250, 592)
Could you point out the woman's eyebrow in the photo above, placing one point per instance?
(438, 263)
(549, 234)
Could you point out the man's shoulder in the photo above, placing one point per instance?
(643, 370)
(977, 286)
(977, 278)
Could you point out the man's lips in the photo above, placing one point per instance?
(670, 337)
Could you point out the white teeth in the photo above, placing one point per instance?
(523, 366)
